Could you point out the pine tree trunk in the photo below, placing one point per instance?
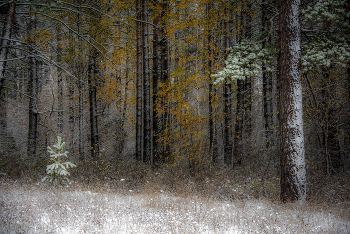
(227, 137)
(138, 141)
(247, 92)
(32, 92)
(267, 89)
(4, 44)
(94, 139)
(211, 90)
(331, 142)
(157, 77)
(257, 94)
(293, 175)
(239, 124)
(238, 135)
(227, 124)
(81, 88)
(59, 82)
(165, 78)
(147, 137)
(5, 40)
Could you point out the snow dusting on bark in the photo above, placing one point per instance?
(295, 116)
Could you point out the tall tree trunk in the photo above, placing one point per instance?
(93, 72)
(147, 137)
(81, 88)
(238, 134)
(238, 154)
(292, 159)
(4, 44)
(347, 138)
(247, 93)
(165, 78)
(59, 82)
(32, 92)
(227, 124)
(331, 142)
(347, 10)
(267, 89)
(157, 77)
(227, 138)
(257, 93)
(5, 40)
(138, 147)
(211, 91)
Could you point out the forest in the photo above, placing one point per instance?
(229, 100)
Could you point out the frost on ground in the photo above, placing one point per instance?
(44, 209)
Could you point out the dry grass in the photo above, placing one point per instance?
(169, 200)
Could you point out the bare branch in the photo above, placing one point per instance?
(6, 3)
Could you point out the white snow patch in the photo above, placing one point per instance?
(37, 210)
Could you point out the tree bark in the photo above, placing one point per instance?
(227, 124)
(59, 82)
(157, 77)
(238, 135)
(5, 41)
(212, 148)
(292, 158)
(81, 87)
(32, 92)
(165, 78)
(257, 112)
(238, 124)
(147, 137)
(330, 125)
(4, 44)
(227, 138)
(94, 139)
(138, 141)
(268, 96)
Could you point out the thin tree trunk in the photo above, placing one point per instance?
(238, 124)
(227, 108)
(331, 142)
(165, 78)
(267, 89)
(157, 77)
(247, 91)
(257, 113)
(4, 44)
(227, 124)
(138, 147)
(94, 139)
(293, 174)
(5, 41)
(147, 137)
(81, 88)
(59, 82)
(211, 88)
(238, 135)
(33, 93)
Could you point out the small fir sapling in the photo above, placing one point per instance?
(58, 170)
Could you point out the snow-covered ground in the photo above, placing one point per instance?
(44, 209)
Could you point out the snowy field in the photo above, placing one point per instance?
(43, 209)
